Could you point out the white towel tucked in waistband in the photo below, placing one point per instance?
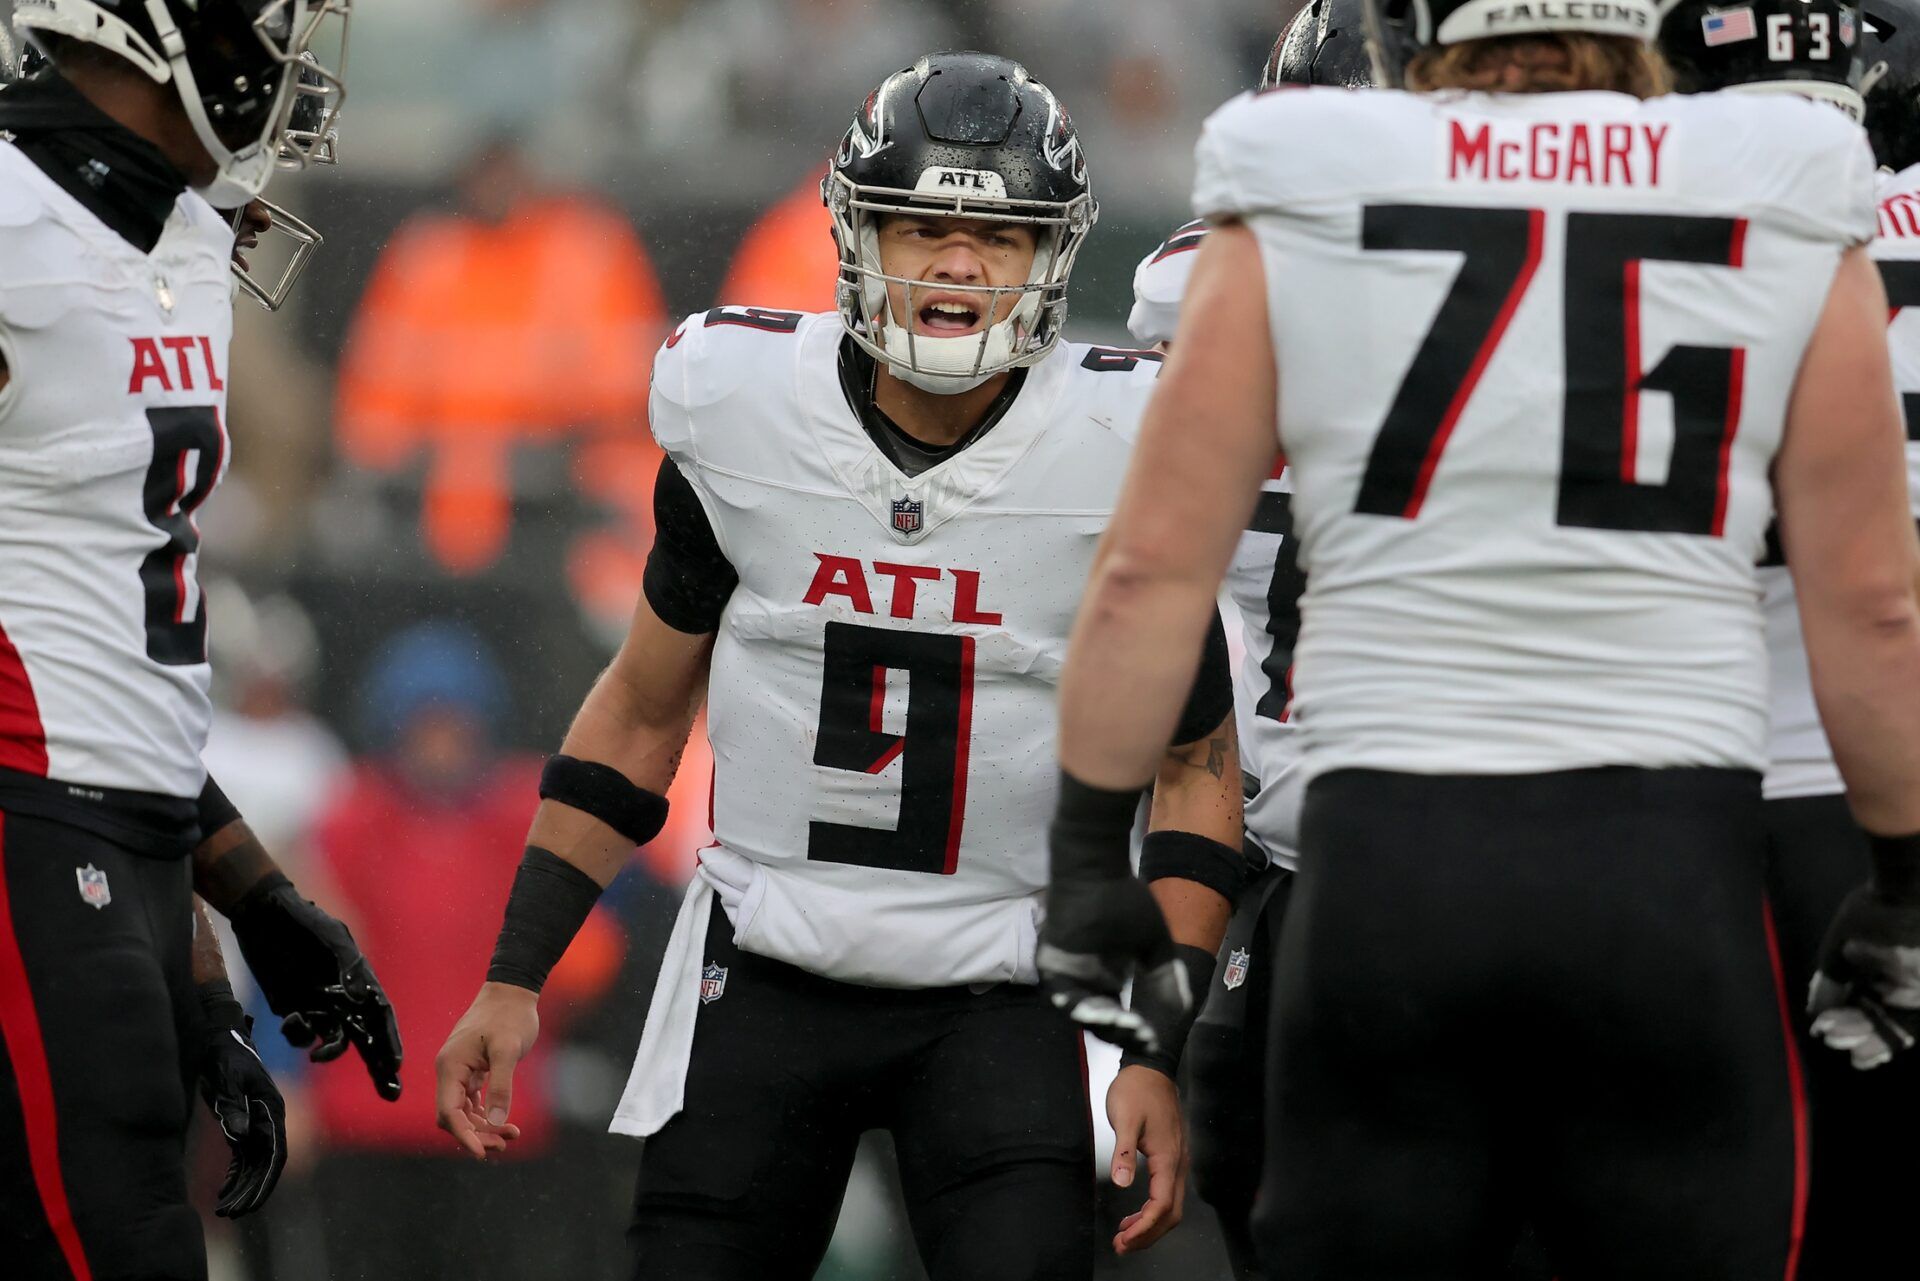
(657, 1085)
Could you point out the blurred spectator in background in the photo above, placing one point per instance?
(421, 844)
(525, 319)
(787, 260)
(276, 758)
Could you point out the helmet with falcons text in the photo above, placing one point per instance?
(1397, 30)
(1808, 47)
(231, 64)
(1325, 44)
(959, 135)
(1891, 83)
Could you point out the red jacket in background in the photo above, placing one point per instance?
(423, 881)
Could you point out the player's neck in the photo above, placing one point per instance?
(932, 419)
(146, 110)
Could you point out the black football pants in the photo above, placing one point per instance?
(1865, 1125)
(1546, 998)
(984, 1093)
(94, 1086)
(1226, 1066)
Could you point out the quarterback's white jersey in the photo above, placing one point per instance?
(1263, 581)
(1800, 760)
(111, 435)
(884, 677)
(1534, 353)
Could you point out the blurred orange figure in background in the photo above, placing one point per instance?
(524, 318)
(787, 259)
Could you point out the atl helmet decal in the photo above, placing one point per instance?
(863, 135)
(1062, 146)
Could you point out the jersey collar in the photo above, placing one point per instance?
(115, 174)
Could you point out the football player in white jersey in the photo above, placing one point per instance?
(871, 530)
(115, 301)
(1534, 356)
(1816, 852)
(1226, 1054)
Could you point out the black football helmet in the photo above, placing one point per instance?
(1807, 47)
(231, 64)
(1890, 84)
(1399, 29)
(1325, 44)
(959, 135)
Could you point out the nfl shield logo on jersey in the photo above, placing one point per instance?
(93, 886)
(906, 515)
(713, 983)
(1237, 962)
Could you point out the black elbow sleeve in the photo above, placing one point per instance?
(1211, 699)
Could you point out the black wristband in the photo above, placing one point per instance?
(1198, 962)
(215, 810)
(604, 792)
(1090, 833)
(550, 899)
(1896, 867)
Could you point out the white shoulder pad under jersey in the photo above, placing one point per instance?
(1159, 282)
(1800, 761)
(1534, 353)
(111, 435)
(884, 677)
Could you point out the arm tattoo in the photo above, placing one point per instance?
(1208, 754)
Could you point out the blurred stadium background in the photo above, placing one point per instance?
(439, 510)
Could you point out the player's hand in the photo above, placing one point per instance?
(317, 981)
(1144, 1109)
(473, 1075)
(1098, 933)
(243, 1099)
(1866, 994)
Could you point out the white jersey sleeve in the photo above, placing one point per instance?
(1800, 760)
(1159, 282)
(1533, 355)
(112, 434)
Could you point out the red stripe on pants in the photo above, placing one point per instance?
(20, 1024)
(1796, 1082)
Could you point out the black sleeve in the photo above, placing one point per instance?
(1211, 699)
(216, 811)
(688, 579)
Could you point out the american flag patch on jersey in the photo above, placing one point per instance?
(1728, 27)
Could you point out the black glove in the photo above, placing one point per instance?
(317, 981)
(1866, 996)
(1097, 934)
(1103, 925)
(243, 1099)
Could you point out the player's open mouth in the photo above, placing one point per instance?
(952, 316)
